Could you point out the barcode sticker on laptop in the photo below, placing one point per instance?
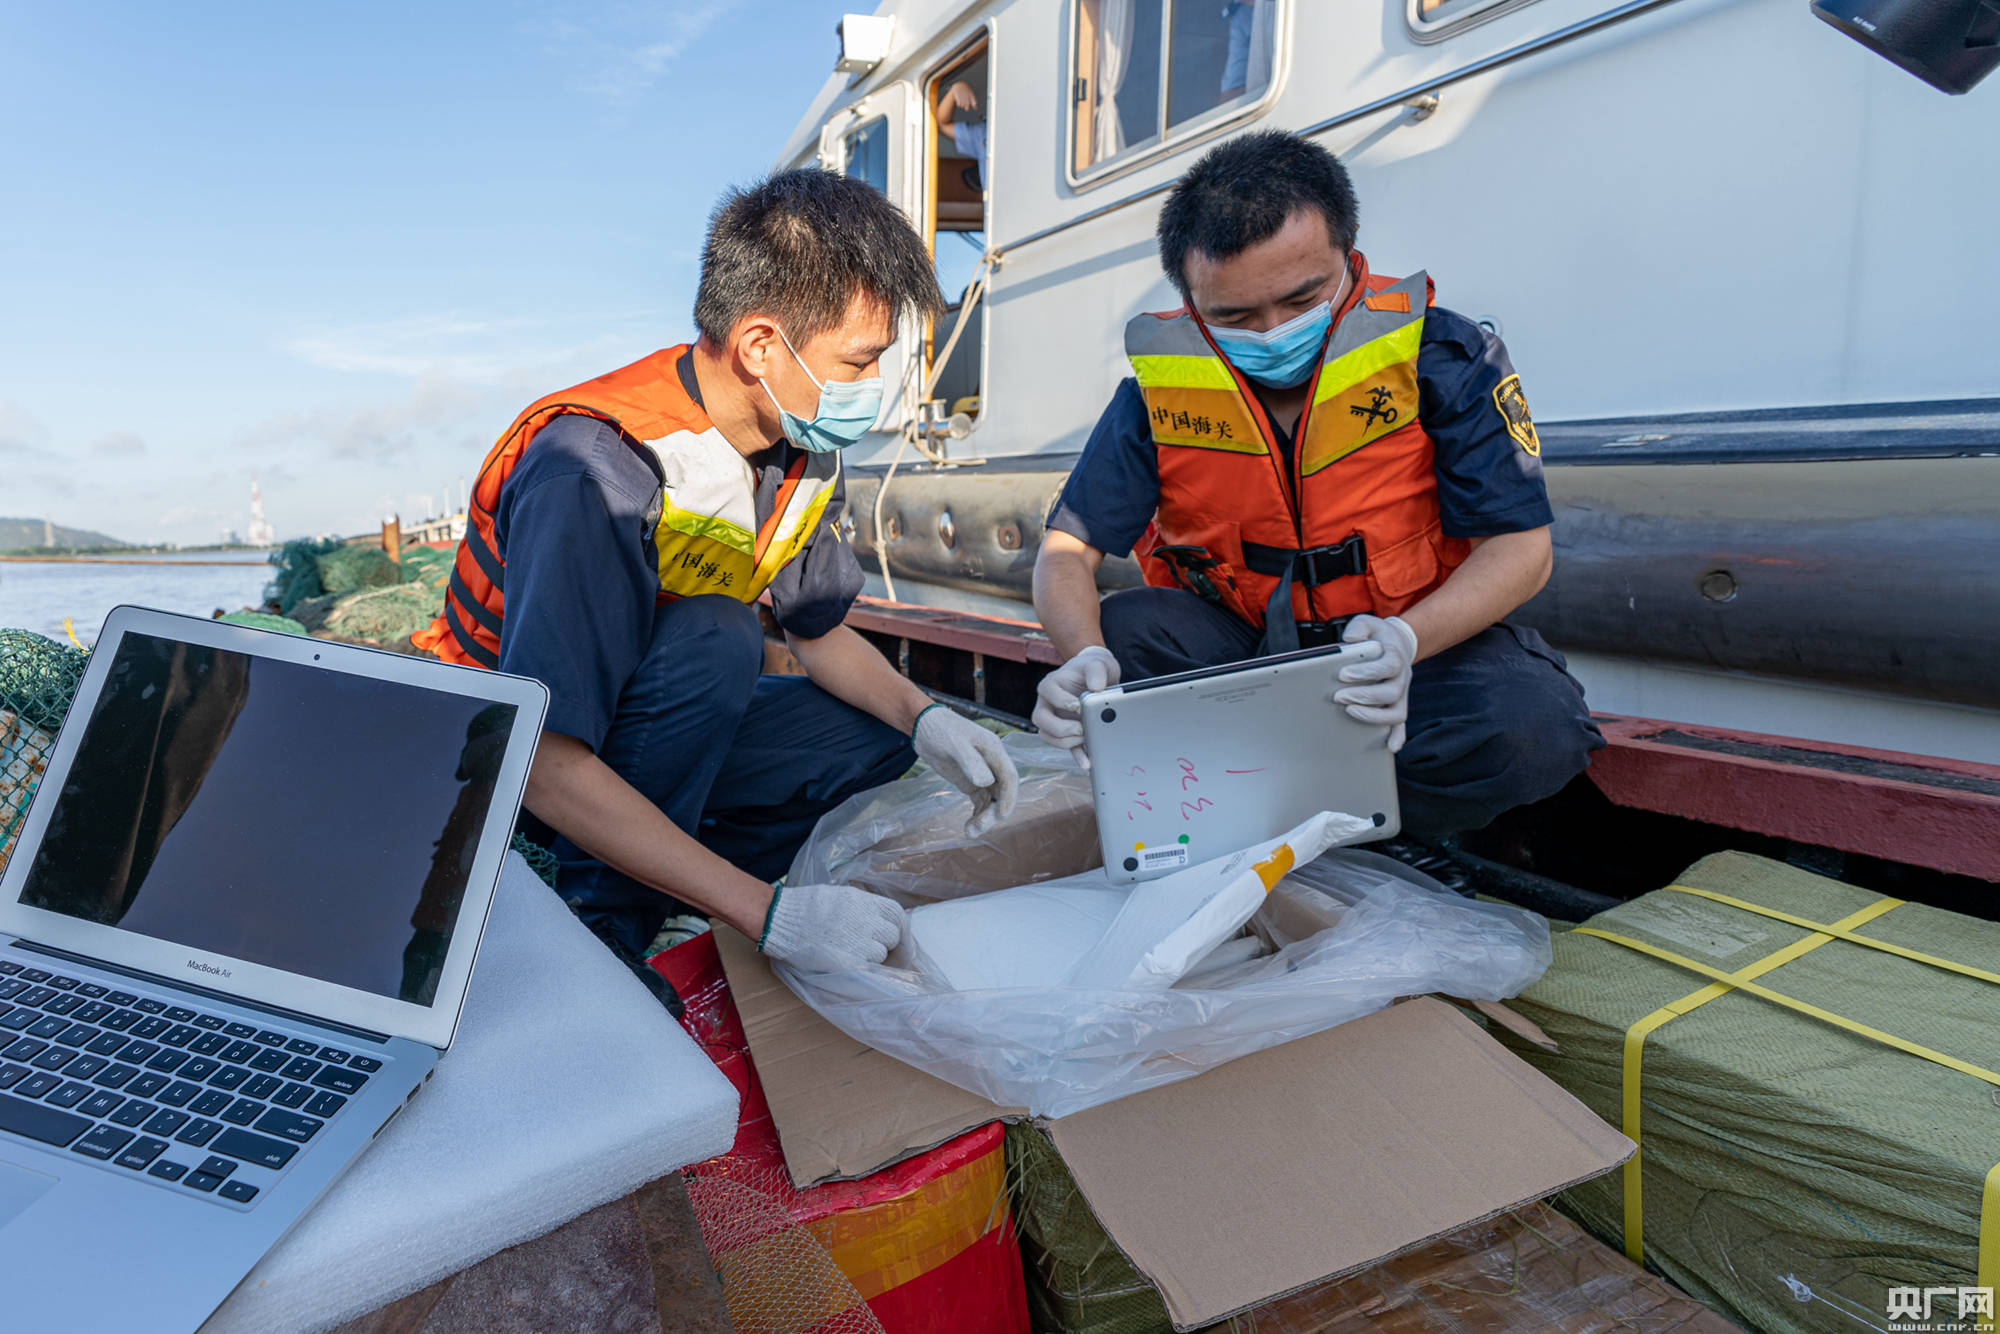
(1159, 859)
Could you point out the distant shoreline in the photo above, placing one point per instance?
(123, 560)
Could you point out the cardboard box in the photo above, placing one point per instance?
(1261, 1178)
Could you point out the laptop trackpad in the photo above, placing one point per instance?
(20, 1188)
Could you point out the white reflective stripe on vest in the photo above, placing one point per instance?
(706, 536)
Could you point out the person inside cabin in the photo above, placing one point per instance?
(959, 116)
(1310, 453)
(634, 521)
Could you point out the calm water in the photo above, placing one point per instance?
(37, 596)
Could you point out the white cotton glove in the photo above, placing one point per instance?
(1378, 691)
(830, 928)
(1059, 698)
(972, 760)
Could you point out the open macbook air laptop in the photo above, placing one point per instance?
(1196, 765)
(235, 935)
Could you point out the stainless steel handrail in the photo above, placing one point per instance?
(1581, 28)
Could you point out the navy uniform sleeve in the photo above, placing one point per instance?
(1489, 466)
(1114, 490)
(812, 594)
(574, 526)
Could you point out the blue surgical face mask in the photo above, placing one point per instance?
(846, 409)
(1284, 357)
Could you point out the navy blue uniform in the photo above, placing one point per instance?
(1495, 721)
(671, 697)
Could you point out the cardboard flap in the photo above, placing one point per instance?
(1304, 1162)
(841, 1109)
(1518, 1024)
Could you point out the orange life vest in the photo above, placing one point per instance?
(706, 537)
(1353, 526)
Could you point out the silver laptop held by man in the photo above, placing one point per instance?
(238, 928)
(1193, 766)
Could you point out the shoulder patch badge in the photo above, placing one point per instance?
(1513, 407)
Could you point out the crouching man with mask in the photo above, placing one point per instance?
(619, 537)
(1311, 453)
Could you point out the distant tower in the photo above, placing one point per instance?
(262, 534)
(48, 532)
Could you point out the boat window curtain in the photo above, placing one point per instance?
(1261, 45)
(1114, 61)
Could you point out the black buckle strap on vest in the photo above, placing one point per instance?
(1313, 566)
(1191, 567)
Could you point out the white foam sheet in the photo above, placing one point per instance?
(483, 1158)
(1028, 936)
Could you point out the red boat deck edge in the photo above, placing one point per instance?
(1916, 809)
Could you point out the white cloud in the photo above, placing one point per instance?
(466, 351)
(201, 516)
(118, 443)
(448, 345)
(624, 51)
(437, 405)
(20, 431)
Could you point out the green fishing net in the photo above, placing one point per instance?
(540, 860)
(312, 568)
(351, 567)
(38, 678)
(355, 592)
(297, 566)
(386, 616)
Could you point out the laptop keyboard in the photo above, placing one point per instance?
(195, 1101)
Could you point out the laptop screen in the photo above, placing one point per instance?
(310, 820)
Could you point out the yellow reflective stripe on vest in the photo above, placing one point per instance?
(1191, 398)
(1371, 358)
(1203, 419)
(701, 537)
(707, 527)
(1176, 371)
(1370, 389)
(794, 530)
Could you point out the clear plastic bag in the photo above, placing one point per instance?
(1351, 931)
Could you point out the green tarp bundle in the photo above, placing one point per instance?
(1078, 1282)
(1790, 1171)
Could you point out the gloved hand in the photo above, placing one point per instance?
(1059, 698)
(830, 928)
(972, 760)
(1378, 691)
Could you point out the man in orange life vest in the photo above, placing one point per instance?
(620, 534)
(1311, 453)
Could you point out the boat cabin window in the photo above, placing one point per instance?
(1433, 20)
(1147, 69)
(866, 153)
(956, 96)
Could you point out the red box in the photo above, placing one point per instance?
(927, 1244)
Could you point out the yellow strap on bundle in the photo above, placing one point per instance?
(1838, 930)
(1988, 1272)
(1989, 1235)
(1635, 1043)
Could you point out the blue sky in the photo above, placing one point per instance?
(338, 247)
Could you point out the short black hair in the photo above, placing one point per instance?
(1241, 192)
(799, 245)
